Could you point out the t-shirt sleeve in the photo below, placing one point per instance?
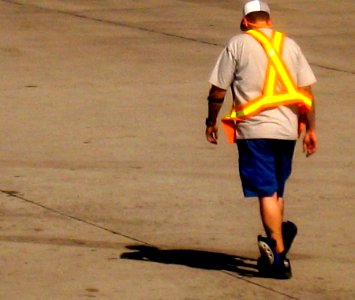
(305, 75)
(223, 72)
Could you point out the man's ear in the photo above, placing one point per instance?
(244, 24)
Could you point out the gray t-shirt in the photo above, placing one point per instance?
(242, 66)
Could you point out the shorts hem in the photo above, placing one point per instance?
(259, 195)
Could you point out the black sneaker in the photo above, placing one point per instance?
(270, 263)
(289, 232)
(283, 270)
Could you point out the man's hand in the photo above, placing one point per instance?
(310, 142)
(212, 134)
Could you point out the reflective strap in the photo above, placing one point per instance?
(229, 130)
(269, 99)
(274, 57)
(270, 80)
(259, 104)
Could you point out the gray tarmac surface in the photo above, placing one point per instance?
(108, 189)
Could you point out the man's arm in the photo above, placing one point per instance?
(215, 102)
(310, 140)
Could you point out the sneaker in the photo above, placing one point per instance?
(270, 263)
(283, 270)
(289, 232)
(266, 248)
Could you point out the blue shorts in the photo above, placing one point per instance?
(265, 165)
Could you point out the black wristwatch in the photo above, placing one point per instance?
(209, 122)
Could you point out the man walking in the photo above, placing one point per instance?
(270, 80)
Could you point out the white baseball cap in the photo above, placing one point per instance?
(255, 5)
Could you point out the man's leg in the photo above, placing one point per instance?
(271, 210)
(280, 203)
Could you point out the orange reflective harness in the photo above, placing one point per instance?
(276, 73)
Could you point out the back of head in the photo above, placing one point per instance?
(258, 16)
(253, 12)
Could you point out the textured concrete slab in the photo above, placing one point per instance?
(108, 187)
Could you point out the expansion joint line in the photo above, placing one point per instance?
(270, 289)
(16, 195)
(136, 27)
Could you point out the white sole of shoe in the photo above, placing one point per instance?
(266, 251)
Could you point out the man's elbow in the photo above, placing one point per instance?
(217, 92)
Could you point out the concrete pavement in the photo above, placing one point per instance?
(108, 188)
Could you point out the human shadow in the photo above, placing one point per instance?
(195, 259)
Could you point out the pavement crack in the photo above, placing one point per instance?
(260, 285)
(149, 30)
(16, 195)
